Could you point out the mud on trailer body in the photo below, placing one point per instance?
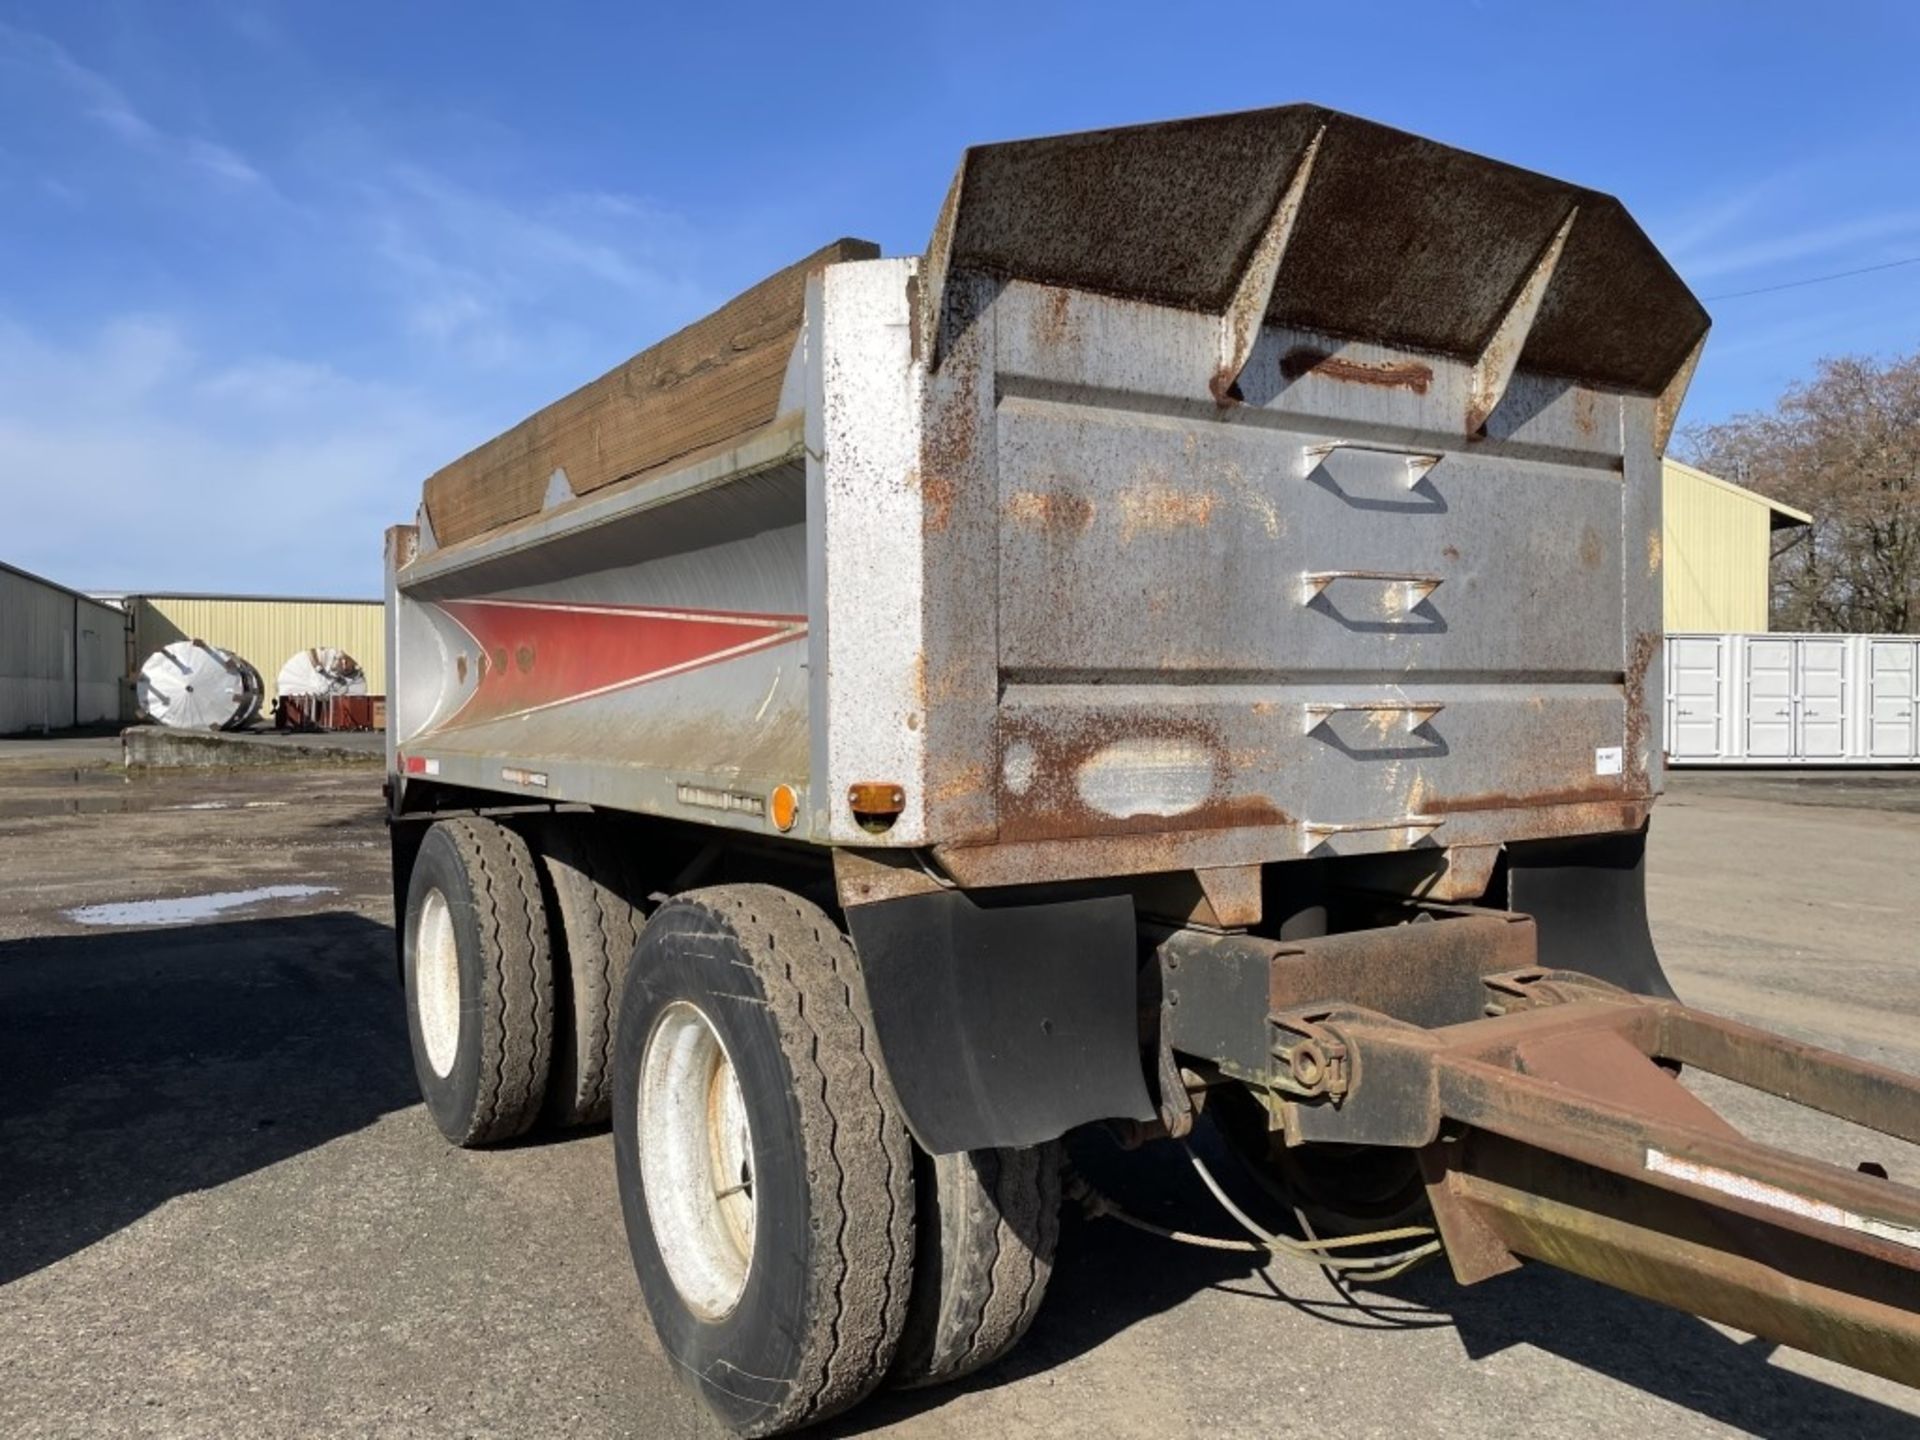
(1186, 642)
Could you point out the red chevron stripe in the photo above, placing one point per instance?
(532, 655)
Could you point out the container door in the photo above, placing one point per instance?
(1769, 698)
(1823, 699)
(1696, 696)
(1892, 684)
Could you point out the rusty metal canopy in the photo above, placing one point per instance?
(1394, 240)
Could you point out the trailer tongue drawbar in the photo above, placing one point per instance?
(1556, 1127)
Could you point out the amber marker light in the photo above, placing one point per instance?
(876, 804)
(783, 806)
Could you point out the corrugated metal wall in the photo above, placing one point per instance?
(265, 630)
(62, 656)
(1716, 548)
(1793, 700)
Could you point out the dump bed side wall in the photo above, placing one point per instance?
(645, 649)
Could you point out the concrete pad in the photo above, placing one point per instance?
(152, 747)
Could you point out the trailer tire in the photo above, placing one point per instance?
(479, 980)
(744, 1048)
(592, 883)
(983, 1253)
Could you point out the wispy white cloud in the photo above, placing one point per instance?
(470, 265)
(1691, 232)
(417, 310)
(1841, 239)
(104, 103)
(129, 460)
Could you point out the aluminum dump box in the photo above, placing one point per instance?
(1209, 494)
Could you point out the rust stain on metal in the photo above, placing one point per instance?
(936, 502)
(964, 781)
(1054, 323)
(1053, 510)
(947, 445)
(982, 863)
(1597, 793)
(1426, 974)
(1045, 767)
(1155, 509)
(1592, 552)
(1392, 374)
(1583, 411)
(1646, 646)
(867, 876)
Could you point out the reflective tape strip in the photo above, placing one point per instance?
(1775, 1197)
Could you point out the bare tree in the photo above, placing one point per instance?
(1845, 447)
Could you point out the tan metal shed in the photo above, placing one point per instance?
(1716, 550)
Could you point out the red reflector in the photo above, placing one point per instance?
(416, 765)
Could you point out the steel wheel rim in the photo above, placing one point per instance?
(696, 1160)
(436, 982)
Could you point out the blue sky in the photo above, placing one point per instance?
(264, 266)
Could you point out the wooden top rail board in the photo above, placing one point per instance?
(710, 383)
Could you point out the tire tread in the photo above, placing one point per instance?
(998, 1213)
(516, 1029)
(591, 882)
(858, 1152)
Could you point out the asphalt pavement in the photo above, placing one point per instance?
(223, 1211)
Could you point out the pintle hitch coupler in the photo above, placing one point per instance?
(1556, 1128)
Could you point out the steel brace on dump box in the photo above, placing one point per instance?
(1557, 1129)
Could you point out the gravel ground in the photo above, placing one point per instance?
(224, 1212)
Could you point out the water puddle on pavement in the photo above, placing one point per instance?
(229, 805)
(184, 909)
(27, 794)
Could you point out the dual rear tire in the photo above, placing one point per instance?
(514, 944)
(478, 965)
(795, 1248)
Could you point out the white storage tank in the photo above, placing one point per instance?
(1793, 700)
(321, 671)
(191, 685)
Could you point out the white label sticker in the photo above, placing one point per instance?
(1608, 760)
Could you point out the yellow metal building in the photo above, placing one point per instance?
(265, 629)
(1716, 545)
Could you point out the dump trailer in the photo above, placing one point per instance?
(1185, 648)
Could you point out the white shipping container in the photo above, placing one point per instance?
(1793, 700)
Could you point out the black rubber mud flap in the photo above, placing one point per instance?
(1588, 900)
(1004, 1024)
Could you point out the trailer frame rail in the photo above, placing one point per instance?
(1556, 1129)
